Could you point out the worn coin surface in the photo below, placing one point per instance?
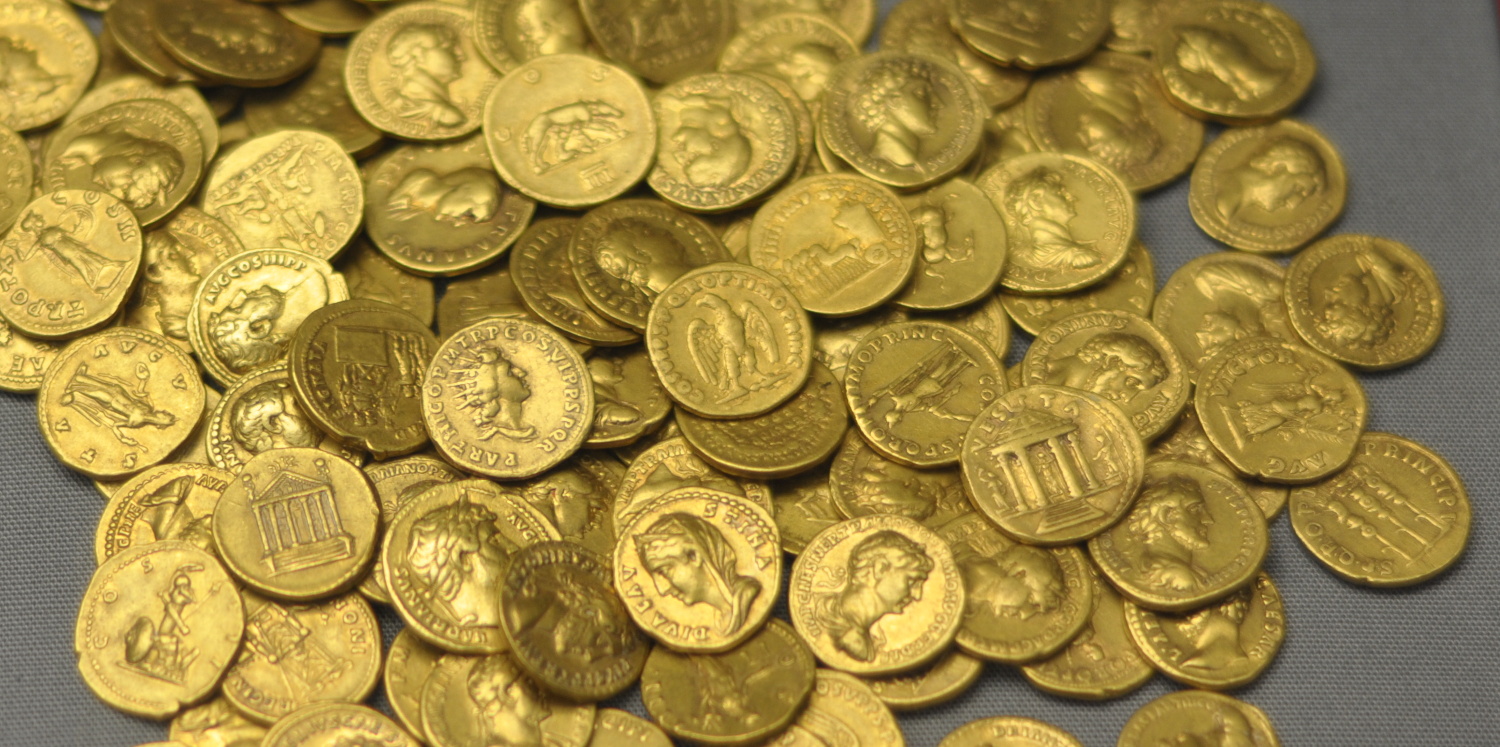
(477, 701)
(177, 254)
(396, 483)
(23, 360)
(166, 502)
(963, 247)
(214, 724)
(546, 283)
(510, 32)
(1131, 288)
(373, 276)
(855, 18)
(1187, 442)
(801, 433)
(186, 98)
(408, 663)
(616, 728)
(318, 100)
(1218, 299)
(1101, 662)
(629, 400)
(661, 43)
(336, 724)
(1236, 61)
(934, 684)
(130, 33)
(671, 464)
(1031, 35)
(236, 43)
(50, 60)
(800, 49)
(862, 482)
(843, 709)
(260, 412)
(1190, 716)
(803, 506)
(17, 176)
(724, 140)
(480, 295)
(1219, 647)
(1009, 731)
(922, 26)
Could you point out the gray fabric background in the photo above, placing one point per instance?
(1410, 90)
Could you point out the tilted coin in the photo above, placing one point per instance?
(1111, 109)
(440, 209)
(177, 254)
(157, 627)
(119, 401)
(260, 413)
(23, 360)
(1367, 301)
(671, 464)
(327, 17)
(801, 433)
(318, 100)
(934, 684)
(661, 43)
(1280, 412)
(903, 119)
(373, 276)
(357, 368)
(1268, 189)
(843, 244)
(545, 281)
(737, 697)
(877, 595)
(922, 26)
(130, 26)
(1009, 731)
(71, 259)
(478, 701)
(1192, 537)
(570, 130)
(1187, 442)
(1219, 647)
(1191, 716)
(192, 451)
(864, 483)
(237, 43)
(803, 507)
(397, 482)
(1069, 221)
(629, 400)
(187, 98)
(1022, 603)
(1134, 23)
(478, 296)
(408, 663)
(1102, 662)
(699, 569)
(444, 553)
(1116, 355)
(215, 724)
(725, 140)
(510, 32)
(1031, 35)
(248, 308)
(986, 320)
(166, 502)
(1218, 299)
(729, 341)
(565, 625)
(1051, 465)
(291, 190)
(963, 247)
(799, 48)
(914, 388)
(616, 728)
(1236, 61)
(50, 60)
(843, 710)
(804, 125)
(507, 398)
(336, 724)
(1131, 288)
(16, 176)
(1396, 516)
(835, 339)
(626, 253)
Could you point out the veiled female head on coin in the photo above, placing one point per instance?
(1281, 175)
(268, 417)
(513, 708)
(1172, 523)
(689, 559)
(427, 57)
(498, 397)
(458, 554)
(885, 574)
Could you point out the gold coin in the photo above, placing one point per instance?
(962, 247)
(1279, 412)
(725, 140)
(1009, 731)
(72, 259)
(440, 209)
(192, 451)
(802, 433)
(51, 58)
(661, 43)
(616, 728)
(629, 401)
(1131, 288)
(185, 97)
(1034, 35)
(118, 401)
(1006, 135)
(804, 131)
(1216, 300)
(1235, 61)
(507, 398)
(298, 524)
(835, 339)
(444, 553)
(843, 244)
(1219, 647)
(915, 387)
(565, 625)
(1009, 620)
(1190, 716)
(327, 17)
(854, 18)
(177, 254)
(1268, 189)
(316, 213)
(215, 724)
(864, 483)
(136, 648)
(510, 32)
(1102, 662)
(23, 361)
(877, 595)
(802, 507)
(1134, 23)
(800, 49)
(1118, 356)
(700, 569)
(260, 413)
(626, 253)
(336, 724)
(1186, 442)
(236, 43)
(1051, 465)
(131, 27)
(934, 684)
(318, 100)
(396, 483)
(843, 710)
(1110, 109)
(479, 701)
(477, 296)
(408, 663)
(921, 26)
(1192, 537)
(985, 320)
(570, 130)
(17, 177)
(373, 276)
(166, 502)
(545, 281)
(671, 464)
(729, 341)
(737, 697)
(1069, 221)
(578, 499)
(1367, 301)
(1397, 515)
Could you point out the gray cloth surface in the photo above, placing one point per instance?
(1410, 91)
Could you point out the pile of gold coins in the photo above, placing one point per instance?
(680, 245)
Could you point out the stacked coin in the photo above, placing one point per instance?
(544, 323)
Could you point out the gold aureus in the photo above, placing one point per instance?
(327, 17)
(803, 507)
(1236, 61)
(547, 284)
(1102, 662)
(629, 400)
(864, 483)
(130, 30)
(792, 438)
(23, 361)
(166, 502)
(1195, 715)
(481, 295)
(373, 276)
(260, 413)
(922, 26)
(1009, 731)
(1219, 647)
(661, 42)
(578, 498)
(396, 483)
(800, 49)
(1216, 300)
(670, 464)
(336, 724)
(1187, 442)
(185, 97)
(934, 684)
(963, 248)
(616, 728)
(318, 100)
(510, 32)
(1033, 34)
(177, 255)
(1131, 288)
(17, 177)
(214, 724)
(50, 59)
(479, 701)
(408, 663)
(843, 710)
(236, 43)
(415, 73)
